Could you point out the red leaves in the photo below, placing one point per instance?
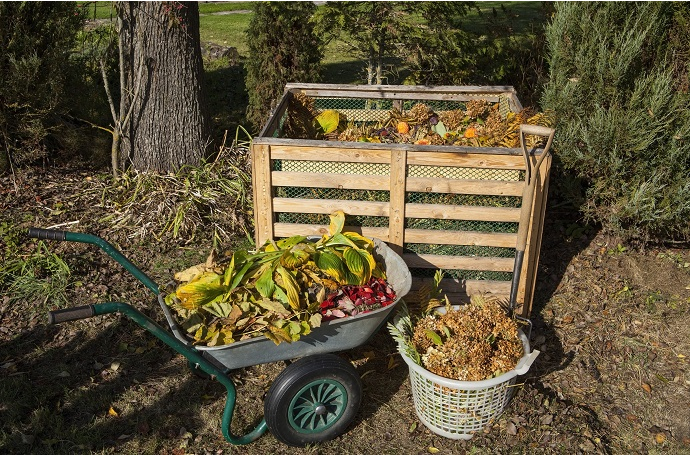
(352, 300)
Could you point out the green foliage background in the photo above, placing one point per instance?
(623, 114)
(282, 48)
(616, 73)
(35, 38)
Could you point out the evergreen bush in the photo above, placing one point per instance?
(623, 113)
(282, 48)
(35, 40)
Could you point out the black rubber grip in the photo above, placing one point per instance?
(70, 314)
(49, 234)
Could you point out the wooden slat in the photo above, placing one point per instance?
(272, 124)
(475, 160)
(462, 212)
(323, 146)
(428, 236)
(289, 229)
(490, 264)
(339, 181)
(458, 93)
(328, 206)
(467, 287)
(284, 152)
(483, 187)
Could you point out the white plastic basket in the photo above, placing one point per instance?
(457, 409)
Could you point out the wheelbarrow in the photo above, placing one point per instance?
(314, 399)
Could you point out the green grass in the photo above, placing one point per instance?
(520, 17)
(226, 30)
(210, 8)
(106, 10)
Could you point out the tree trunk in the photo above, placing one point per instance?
(168, 126)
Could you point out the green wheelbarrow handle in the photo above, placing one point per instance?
(194, 357)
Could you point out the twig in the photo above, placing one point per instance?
(69, 223)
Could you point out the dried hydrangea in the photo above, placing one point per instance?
(476, 342)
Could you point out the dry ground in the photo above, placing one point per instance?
(612, 326)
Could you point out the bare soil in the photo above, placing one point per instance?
(612, 326)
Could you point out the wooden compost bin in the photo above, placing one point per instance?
(440, 207)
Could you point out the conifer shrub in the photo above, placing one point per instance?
(35, 43)
(282, 48)
(623, 114)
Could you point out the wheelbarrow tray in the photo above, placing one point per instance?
(332, 336)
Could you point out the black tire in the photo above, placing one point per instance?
(313, 400)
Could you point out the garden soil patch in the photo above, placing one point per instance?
(612, 325)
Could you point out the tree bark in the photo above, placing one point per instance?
(162, 85)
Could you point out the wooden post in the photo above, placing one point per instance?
(262, 193)
(397, 192)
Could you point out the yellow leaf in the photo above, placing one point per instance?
(358, 262)
(328, 120)
(274, 306)
(315, 320)
(291, 287)
(112, 412)
(392, 364)
(337, 222)
(359, 240)
(190, 273)
(200, 291)
(432, 450)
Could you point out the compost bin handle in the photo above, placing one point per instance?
(70, 314)
(47, 234)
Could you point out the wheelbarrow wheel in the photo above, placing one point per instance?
(313, 400)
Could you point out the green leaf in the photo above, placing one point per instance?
(439, 128)
(359, 240)
(358, 264)
(434, 337)
(238, 277)
(294, 257)
(290, 242)
(330, 264)
(265, 284)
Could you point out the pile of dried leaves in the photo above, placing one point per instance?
(480, 124)
(470, 342)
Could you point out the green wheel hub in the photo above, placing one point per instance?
(317, 406)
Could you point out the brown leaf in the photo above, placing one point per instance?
(511, 429)
(645, 386)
